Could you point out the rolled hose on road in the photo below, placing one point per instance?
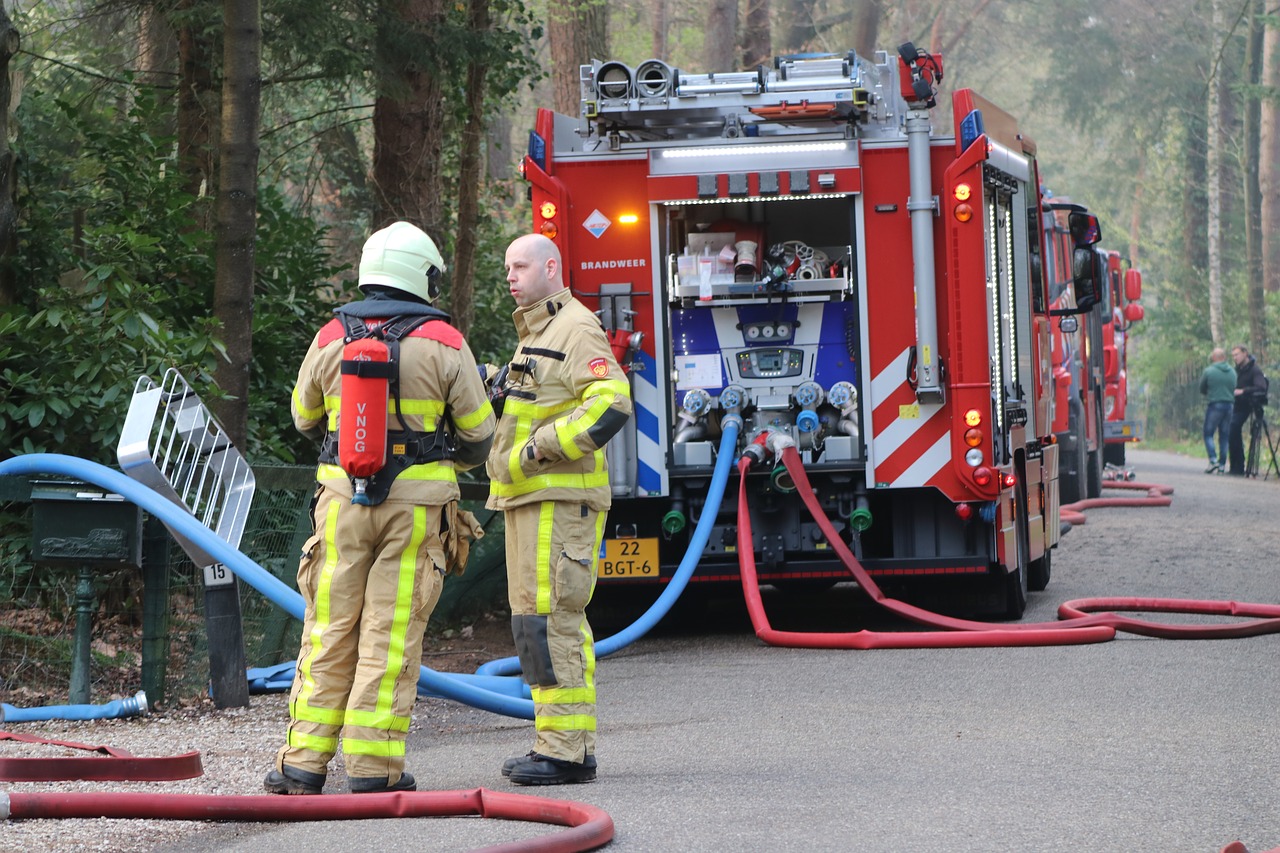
(697, 543)
(1156, 496)
(1079, 624)
(591, 827)
(456, 686)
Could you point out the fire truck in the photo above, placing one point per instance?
(795, 255)
(1090, 361)
(1078, 366)
(1123, 292)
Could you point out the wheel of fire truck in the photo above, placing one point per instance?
(1039, 571)
(1072, 479)
(1017, 581)
(1095, 464)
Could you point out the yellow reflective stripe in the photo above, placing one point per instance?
(305, 411)
(521, 437)
(430, 410)
(525, 409)
(379, 719)
(430, 471)
(546, 517)
(588, 640)
(473, 419)
(315, 743)
(564, 695)
(312, 714)
(564, 723)
(403, 611)
(381, 748)
(608, 388)
(443, 473)
(568, 430)
(591, 480)
(411, 406)
(322, 603)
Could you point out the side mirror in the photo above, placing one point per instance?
(1087, 272)
(1132, 285)
(1133, 312)
(1069, 325)
(1084, 227)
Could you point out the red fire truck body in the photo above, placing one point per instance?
(1124, 289)
(1077, 367)
(797, 251)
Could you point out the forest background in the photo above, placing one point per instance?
(187, 183)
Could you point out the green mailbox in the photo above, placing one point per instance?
(77, 524)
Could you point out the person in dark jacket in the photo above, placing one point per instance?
(1251, 393)
(1217, 383)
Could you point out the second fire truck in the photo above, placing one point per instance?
(797, 251)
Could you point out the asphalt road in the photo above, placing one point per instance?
(712, 741)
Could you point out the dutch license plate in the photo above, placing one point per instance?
(629, 558)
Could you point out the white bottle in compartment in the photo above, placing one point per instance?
(706, 266)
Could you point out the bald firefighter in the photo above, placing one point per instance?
(393, 391)
(563, 397)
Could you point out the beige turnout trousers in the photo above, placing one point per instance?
(552, 549)
(371, 575)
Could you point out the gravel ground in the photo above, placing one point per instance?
(238, 745)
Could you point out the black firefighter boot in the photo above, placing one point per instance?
(293, 781)
(538, 769)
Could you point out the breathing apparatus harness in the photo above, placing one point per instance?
(365, 446)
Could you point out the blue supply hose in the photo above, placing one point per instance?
(131, 706)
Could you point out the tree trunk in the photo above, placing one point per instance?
(661, 25)
(1252, 189)
(157, 48)
(237, 208)
(10, 41)
(462, 292)
(720, 39)
(757, 38)
(797, 28)
(1269, 160)
(1213, 108)
(1135, 212)
(866, 27)
(197, 112)
(577, 31)
(1195, 201)
(407, 126)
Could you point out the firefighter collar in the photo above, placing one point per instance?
(532, 319)
(377, 305)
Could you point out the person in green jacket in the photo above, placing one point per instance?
(1218, 384)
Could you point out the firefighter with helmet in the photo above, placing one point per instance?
(387, 523)
(563, 397)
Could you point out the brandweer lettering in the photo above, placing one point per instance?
(613, 265)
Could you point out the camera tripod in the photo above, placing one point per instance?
(1258, 434)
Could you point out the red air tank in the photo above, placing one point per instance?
(362, 426)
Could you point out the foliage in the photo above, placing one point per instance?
(117, 281)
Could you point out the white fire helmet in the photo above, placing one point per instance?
(402, 256)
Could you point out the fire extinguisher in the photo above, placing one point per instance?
(362, 425)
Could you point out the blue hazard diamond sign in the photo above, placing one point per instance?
(597, 223)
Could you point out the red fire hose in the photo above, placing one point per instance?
(591, 827)
(1080, 625)
(1156, 496)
